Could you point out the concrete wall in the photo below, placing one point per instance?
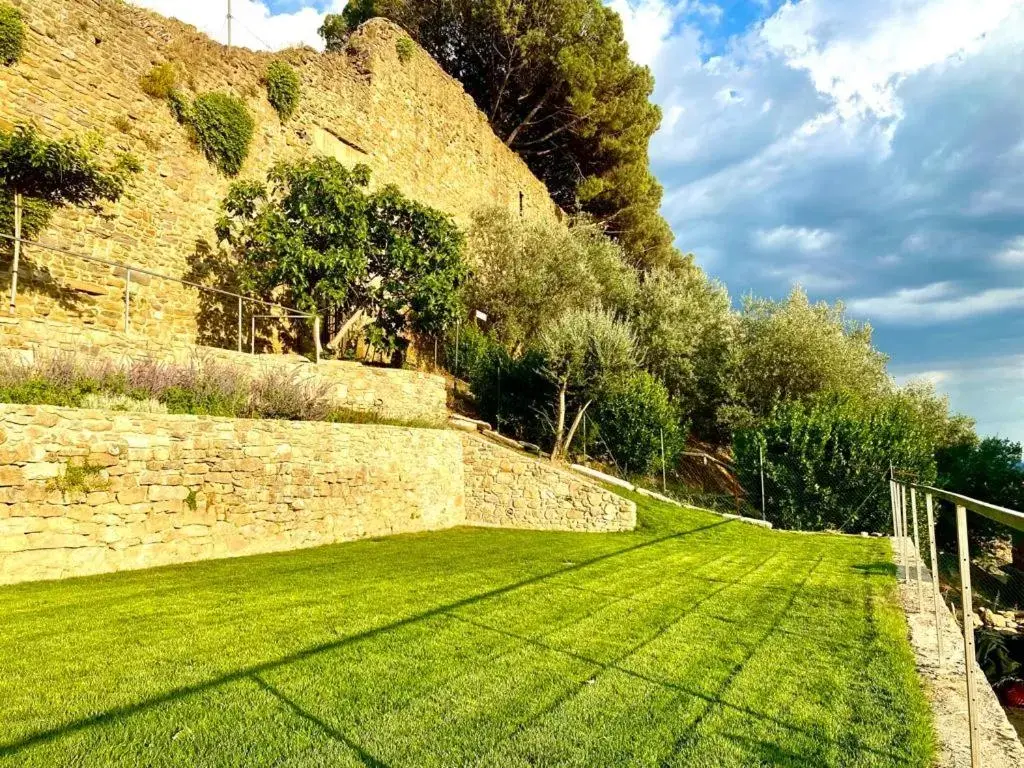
(509, 489)
(409, 122)
(394, 393)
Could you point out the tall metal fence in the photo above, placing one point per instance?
(966, 554)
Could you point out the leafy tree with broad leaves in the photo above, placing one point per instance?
(635, 415)
(317, 238)
(583, 350)
(43, 175)
(555, 80)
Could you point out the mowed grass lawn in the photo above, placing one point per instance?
(690, 642)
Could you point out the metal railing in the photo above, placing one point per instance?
(127, 270)
(905, 521)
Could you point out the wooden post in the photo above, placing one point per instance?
(17, 249)
(968, 622)
(936, 596)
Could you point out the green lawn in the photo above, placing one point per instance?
(692, 641)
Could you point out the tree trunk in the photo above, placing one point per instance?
(559, 423)
(575, 425)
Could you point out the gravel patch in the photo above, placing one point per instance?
(945, 682)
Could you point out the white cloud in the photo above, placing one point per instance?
(988, 389)
(799, 238)
(858, 53)
(937, 302)
(1012, 253)
(254, 25)
(647, 24)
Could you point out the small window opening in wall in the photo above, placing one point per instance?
(522, 199)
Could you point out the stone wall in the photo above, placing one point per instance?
(509, 489)
(409, 122)
(394, 393)
(256, 486)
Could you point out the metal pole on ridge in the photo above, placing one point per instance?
(968, 627)
(229, 23)
(936, 597)
(17, 249)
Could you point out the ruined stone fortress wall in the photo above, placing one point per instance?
(412, 124)
(167, 489)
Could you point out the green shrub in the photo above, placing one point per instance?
(826, 460)
(160, 82)
(283, 88)
(12, 35)
(405, 48)
(634, 414)
(221, 126)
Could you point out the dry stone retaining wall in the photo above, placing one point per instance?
(172, 489)
(169, 489)
(509, 489)
(412, 124)
(394, 393)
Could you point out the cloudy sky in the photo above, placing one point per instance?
(870, 150)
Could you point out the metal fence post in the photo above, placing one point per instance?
(936, 597)
(239, 323)
(760, 466)
(903, 531)
(892, 507)
(252, 336)
(917, 550)
(968, 622)
(316, 337)
(17, 249)
(664, 484)
(127, 299)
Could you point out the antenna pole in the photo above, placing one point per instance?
(229, 23)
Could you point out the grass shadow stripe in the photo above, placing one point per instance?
(116, 713)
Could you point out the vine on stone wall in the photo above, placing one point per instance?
(220, 125)
(284, 88)
(12, 35)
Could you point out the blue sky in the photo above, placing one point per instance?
(869, 150)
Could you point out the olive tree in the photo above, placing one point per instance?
(583, 350)
(528, 272)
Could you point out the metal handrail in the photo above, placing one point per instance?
(291, 312)
(143, 271)
(1009, 517)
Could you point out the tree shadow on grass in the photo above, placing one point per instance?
(117, 713)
